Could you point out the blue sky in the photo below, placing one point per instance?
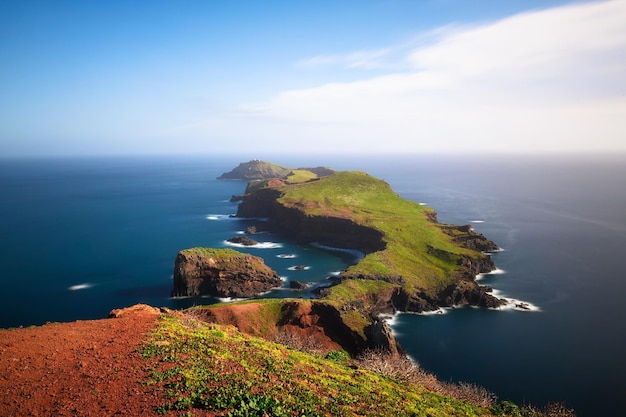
(462, 76)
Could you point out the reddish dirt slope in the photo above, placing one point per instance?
(84, 368)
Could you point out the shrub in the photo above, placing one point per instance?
(402, 369)
(338, 356)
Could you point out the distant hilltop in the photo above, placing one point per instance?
(261, 170)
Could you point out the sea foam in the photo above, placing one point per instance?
(80, 287)
(354, 252)
(260, 245)
(222, 217)
(496, 271)
(299, 268)
(514, 303)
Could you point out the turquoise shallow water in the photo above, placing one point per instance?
(80, 237)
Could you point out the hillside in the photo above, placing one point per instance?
(262, 170)
(151, 362)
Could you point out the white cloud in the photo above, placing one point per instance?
(539, 81)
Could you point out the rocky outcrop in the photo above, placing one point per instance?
(256, 170)
(297, 285)
(221, 273)
(467, 237)
(243, 240)
(468, 293)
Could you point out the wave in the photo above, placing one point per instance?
(515, 304)
(299, 268)
(477, 221)
(494, 251)
(80, 286)
(355, 252)
(229, 299)
(260, 245)
(222, 217)
(423, 204)
(496, 271)
(287, 255)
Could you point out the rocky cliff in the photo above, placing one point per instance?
(312, 324)
(221, 273)
(305, 228)
(320, 220)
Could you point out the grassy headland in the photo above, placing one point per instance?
(418, 253)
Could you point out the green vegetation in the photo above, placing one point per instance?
(217, 368)
(208, 367)
(213, 252)
(417, 250)
(300, 175)
(256, 169)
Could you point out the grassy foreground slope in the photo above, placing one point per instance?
(417, 253)
(200, 366)
(205, 369)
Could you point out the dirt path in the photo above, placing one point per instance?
(84, 368)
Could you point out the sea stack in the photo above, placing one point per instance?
(221, 273)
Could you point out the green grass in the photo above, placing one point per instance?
(213, 252)
(210, 367)
(300, 175)
(407, 232)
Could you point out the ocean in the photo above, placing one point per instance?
(82, 236)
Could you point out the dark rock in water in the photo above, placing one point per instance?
(243, 240)
(467, 237)
(299, 267)
(251, 230)
(221, 273)
(236, 198)
(380, 336)
(468, 293)
(297, 285)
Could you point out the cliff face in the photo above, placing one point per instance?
(329, 231)
(221, 273)
(314, 324)
(344, 233)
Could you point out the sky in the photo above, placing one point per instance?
(380, 76)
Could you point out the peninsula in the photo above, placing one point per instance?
(280, 357)
(410, 262)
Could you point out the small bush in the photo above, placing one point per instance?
(506, 408)
(338, 356)
(402, 369)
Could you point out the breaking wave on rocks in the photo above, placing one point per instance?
(299, 268)
(260, 245)
(511, 303)
(222, 217)
(496, 271)
(514, 303)
(286, 255)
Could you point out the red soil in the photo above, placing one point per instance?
(84, 368)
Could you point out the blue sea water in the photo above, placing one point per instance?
(79, 237)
